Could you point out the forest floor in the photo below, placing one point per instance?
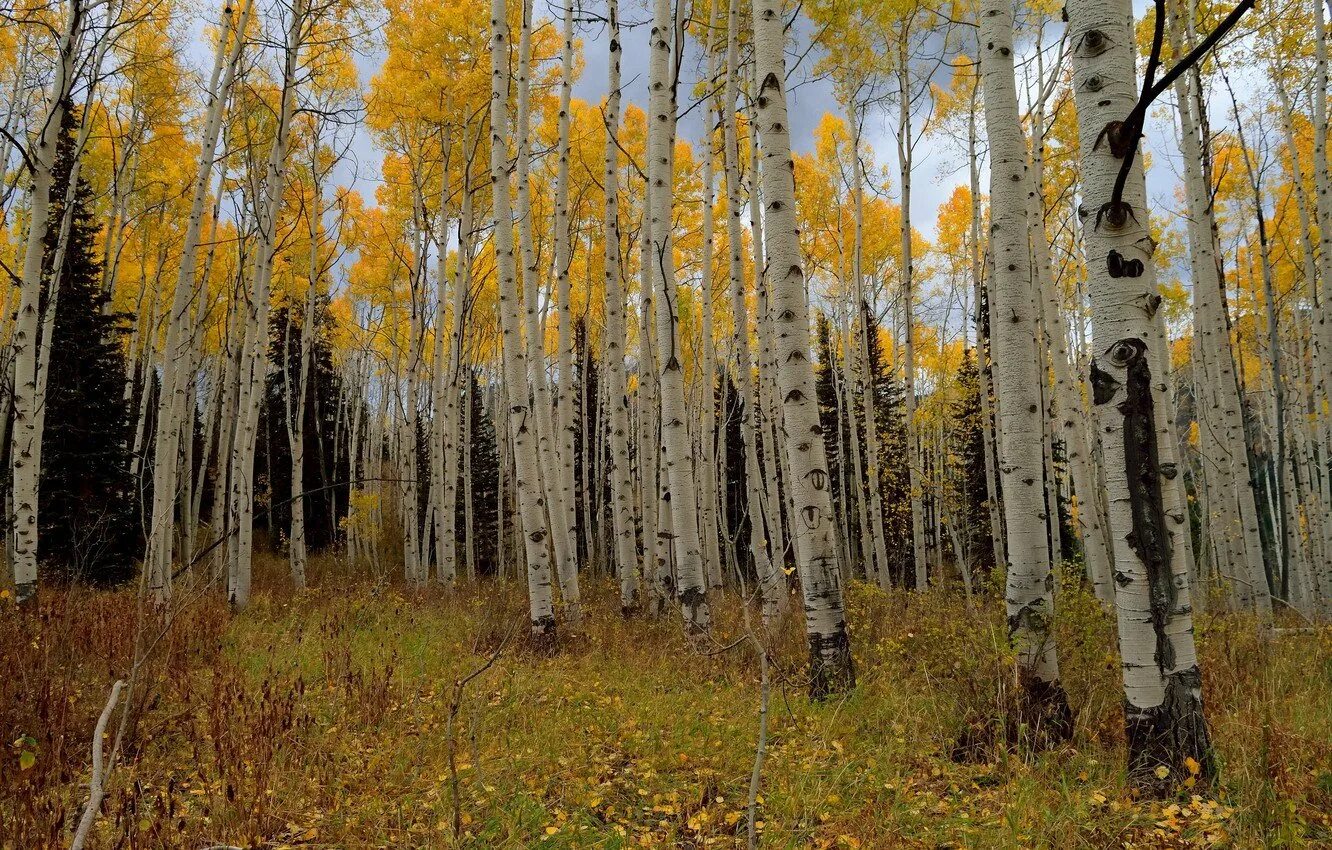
(329, 720)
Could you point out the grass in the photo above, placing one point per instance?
(322, 720)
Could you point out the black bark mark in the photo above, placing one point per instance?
(1149, 538)
(1042, 718)
(1103, 384)
(1172, 735)
(831, 670)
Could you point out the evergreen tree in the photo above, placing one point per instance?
(889, 410)
(736, 515)
(967, 480)
(86, 514)
(327, 483)
(587, 384)
(485, 461)
(836, 434)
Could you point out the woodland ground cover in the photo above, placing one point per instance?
(329, 719)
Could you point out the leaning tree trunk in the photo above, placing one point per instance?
(520, 419)
(1017, 376)
(689, 588)
(26, 447)
(173, 399)
(810, 484)
(1166, 727)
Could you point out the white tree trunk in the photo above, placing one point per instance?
(1149, 529)
(254, 355)
(915, 485)
(566, 404)
(1015, 326)
(770, 579)
(175, 392)
(689, 584)
(520, 419)
(622, 499)
(26, 446)
(810, 483)
(868, 411)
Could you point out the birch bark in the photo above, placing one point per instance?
(175, 383)
(810, 484)
(564, 446)
(622, 500)
(689, 583)
(520, 420)
(1162, 681)
(26, 436)
(1015, 325)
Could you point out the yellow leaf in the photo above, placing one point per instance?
(1162, 772)
(1192, 765)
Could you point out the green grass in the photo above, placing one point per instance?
(322, 721)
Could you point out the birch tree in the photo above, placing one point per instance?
(622, 500)
(26, 446)
(689, 586)
(1015, 327)
(1162, 681)
(810, 484)
(541, 613)
(175, 395)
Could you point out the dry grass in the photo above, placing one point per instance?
(322, 721)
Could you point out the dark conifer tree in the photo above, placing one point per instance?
(836, 434)
(485, 461)
(730, 438)
(967, 486)
(587, 385)
(889, 410)
(327, 483)
(86, 516)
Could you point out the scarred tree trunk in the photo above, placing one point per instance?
(810, 484)
(1162, 683)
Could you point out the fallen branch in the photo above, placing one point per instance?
(454, 705)
(96, 789)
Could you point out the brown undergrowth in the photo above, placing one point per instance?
(322, 720)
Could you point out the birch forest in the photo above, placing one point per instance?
(665, 423)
